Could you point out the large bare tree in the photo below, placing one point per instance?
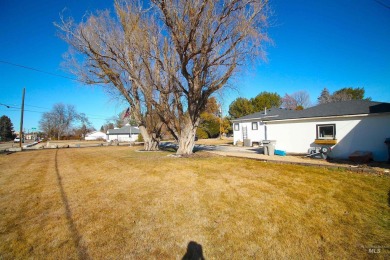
(211, 39)
(166, 61)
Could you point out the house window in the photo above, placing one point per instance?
(236, 127)
(326, 131)
(254, 126)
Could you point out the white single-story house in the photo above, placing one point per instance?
(95, 136)
(346, 126)
(125, 134)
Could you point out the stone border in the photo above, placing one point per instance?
(65, 145)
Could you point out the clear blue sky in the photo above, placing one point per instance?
(317, 44)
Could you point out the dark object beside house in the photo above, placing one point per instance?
(319, 152)
(361, 157)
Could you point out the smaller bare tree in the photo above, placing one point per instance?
(297, 100)
(59, 120)
(85, 126)
(47, 124)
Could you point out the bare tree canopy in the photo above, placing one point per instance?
(297, 100)
(59, 120)
(166, 61)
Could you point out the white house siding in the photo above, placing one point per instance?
(253, 135)
(96, 136)
(363, 133)
(122, 137)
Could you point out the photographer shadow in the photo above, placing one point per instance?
(194, 252)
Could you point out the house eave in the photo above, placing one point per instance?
(272, 119)
(252, 119)
(321, 118)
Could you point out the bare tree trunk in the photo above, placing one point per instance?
(187, 140)
(151, 143)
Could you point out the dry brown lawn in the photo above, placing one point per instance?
(117, 203)
(215, 141)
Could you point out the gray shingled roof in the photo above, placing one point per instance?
(123, 130)
(352, 107)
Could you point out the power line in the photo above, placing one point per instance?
(37, 107)
(9, 106)
(10, 110)
(14, 108)
(37, 70)
(5, 105)
(49, 73)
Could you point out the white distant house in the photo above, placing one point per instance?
(125, 134)
(96, 135)
(347, 126)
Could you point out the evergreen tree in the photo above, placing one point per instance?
(6, 129)
(266, 99)
(240, 107)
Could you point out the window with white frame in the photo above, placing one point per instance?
(236, 127)
(254, 126)
(326, 131)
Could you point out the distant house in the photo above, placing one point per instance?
(348, 126)
(29, 136)
(125, 134)
(96, 135)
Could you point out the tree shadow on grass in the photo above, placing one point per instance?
(172, 147)
(194, 252)
(76, 237)
(168, 147)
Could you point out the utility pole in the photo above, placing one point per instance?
(21, 121)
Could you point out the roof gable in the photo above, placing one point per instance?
(96, 134)
(124, 130)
